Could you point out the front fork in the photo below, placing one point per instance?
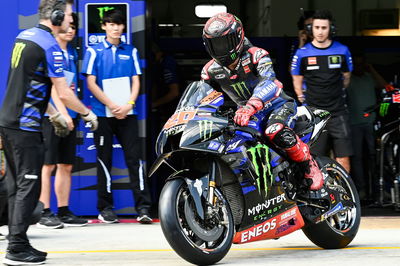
(204, 187)
(211, 188)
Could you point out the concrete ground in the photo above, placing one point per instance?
(377, 243)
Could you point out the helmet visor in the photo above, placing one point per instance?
(223, 45)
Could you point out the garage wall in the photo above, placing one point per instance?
(266, 18)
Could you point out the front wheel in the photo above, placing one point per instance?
(198, 241)
(340, 229)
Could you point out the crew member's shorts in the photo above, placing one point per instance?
(58, 150)
(336, 137)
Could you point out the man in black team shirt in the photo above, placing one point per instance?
(36, 63)
(244, 73)
(325, 66)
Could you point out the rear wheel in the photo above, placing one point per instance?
(339, 230)
(199, 241)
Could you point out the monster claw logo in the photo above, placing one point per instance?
(241, 89)
(16, 54)
(205, 129)
(104, 9)
(383, 110)
(259, 156)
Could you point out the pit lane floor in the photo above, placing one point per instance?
(377, 243)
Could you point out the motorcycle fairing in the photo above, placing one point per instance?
(310, 122)
(201, 129)
(275, 227)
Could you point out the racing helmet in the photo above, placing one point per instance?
(223, 37)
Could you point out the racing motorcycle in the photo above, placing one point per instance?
(229, 185)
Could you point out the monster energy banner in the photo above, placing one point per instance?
(259, 156)
(205, 129)
(94, 14)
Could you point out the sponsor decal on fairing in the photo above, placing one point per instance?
(286, 222)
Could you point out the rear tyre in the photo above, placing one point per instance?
(340, 229)
(198, 241)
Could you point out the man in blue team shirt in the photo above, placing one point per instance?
(36, 63)
(325, 66)
(60, 151)
(112, 69)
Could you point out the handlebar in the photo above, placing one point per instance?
(254, 132)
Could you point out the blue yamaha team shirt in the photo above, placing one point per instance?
(106, 62)
(36, 57)
(322, 70)
(70, 59)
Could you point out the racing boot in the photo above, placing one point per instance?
(300, 152)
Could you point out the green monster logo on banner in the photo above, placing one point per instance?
(16, 54)
(241, 89)
(260, 160)
(104, 9)
(205, 128)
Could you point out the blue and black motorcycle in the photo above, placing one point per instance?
(228, 185)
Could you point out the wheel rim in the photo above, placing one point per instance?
(189, 233)
(345, 219)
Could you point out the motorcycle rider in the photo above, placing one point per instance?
(245, 74)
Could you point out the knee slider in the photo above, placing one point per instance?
(281, 136)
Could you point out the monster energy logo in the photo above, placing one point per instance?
(205, 129)
(233, 56)
(260, 160)
(16, 54)
(104, 9)
(383, 109)
(241, 89)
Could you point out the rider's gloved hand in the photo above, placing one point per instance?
(60, 125)
(92, 118)
(244, 113)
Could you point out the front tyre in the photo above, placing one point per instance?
(198, 241)
(340, 229)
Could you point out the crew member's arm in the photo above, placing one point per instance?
(347, 67)
(298, 87)
(297, 75)
(68, 97)
(61, 108)
(122, 111)
(346, 79)
(51, 110)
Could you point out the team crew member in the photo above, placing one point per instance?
(102, 64)
(60, 151)
(245, 74)
(325, 65)
(36, 62)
